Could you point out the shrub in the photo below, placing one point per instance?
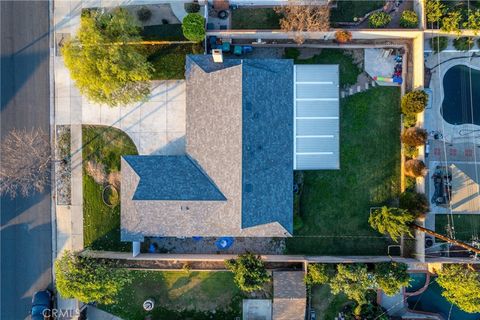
(410, 152)
(451, 22)
(343, 36)
(461, 284)
(318, 274)
(439, 44)
(193, 27)
(434, 10)
(96, 170)
(463, 43)
(409, 120)
(414, 202)
(291, 53)
(415, 168)
(144, 14)
(379, 19)
(249, 272)
(410, 183)
(391, 277)
(414, 102)
(191, 7)
(473, 21)
(409, 19)
(414, 136)
(391, 221)
(89, 279)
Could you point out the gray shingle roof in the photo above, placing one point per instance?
(239, 135)
(267, 155)
(289, 295)
(171, 178)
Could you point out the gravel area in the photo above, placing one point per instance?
(62, 165)
(207, 245)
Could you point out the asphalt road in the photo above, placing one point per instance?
(26, 235)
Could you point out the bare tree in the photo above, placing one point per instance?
(25, 162)
(304, 15)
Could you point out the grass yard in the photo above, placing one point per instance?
(255, 18)
(349, 71)
(335, 205)
(346, 11)
(101, 223)
(326, 305)
(166, 32)
(169, 60)
(180, 295)
(466, 225)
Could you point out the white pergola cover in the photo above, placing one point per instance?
(316, 117)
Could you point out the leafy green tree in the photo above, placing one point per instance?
(461, 286)
(409, 19)
(391, 277)
(88, 279)
(354, 281)
(379, 19)
(414, 202)
(391, 221)
(105, 68)
(463, 43)
(434, 11)
(451, 22)
(249, 272)
(193, 27)
(473, 21)
(414, 102)
(318, 273)
(439, 44)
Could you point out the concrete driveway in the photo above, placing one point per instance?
(156, 126)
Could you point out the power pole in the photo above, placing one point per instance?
(447, 239)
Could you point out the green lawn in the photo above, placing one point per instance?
(180, 295)
(335, 205)
(169, 60)
(326, 305)
(349, 71)
(170, 32)
(255, 18)
(346, 11)
(101, 224)
(466, 225)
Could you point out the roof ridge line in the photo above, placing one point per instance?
(199, 168)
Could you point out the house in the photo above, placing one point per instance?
(249, 124)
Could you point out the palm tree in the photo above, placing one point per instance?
(392, 221)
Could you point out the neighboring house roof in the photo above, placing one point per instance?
(239, 129)
(171, 178)
(465, 187)
(289, 295)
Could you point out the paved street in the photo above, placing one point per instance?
(25, 223)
